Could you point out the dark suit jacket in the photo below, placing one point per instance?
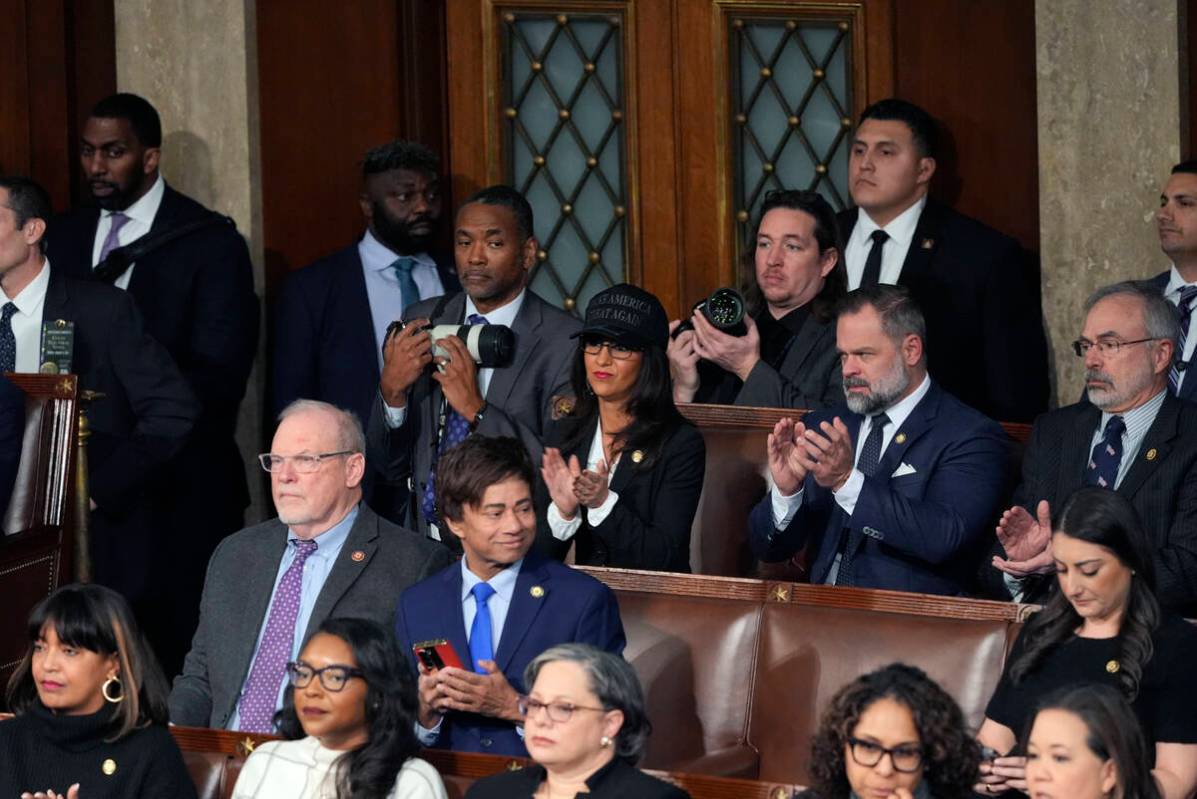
(808, 377)
(238, 590)
(12, 433)
(617, 780)
(920, 531)
(138, 424)
(324, 346)
(196, 295)
(1188, 387)
(649, 527)
(520, 397)
(1161, 484)
(571, 608)
(980, 295)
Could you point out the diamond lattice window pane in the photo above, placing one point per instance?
(566, 147)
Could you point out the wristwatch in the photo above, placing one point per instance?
(477, 420)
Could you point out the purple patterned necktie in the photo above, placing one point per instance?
(260, 698)
(457, 430)
(112, 240)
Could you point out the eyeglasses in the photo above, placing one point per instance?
(305, 464)
(559, 712)
(1108, 347)
(617, 351)
(333, 678)
(906, 758)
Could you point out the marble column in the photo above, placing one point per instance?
(197, 63)
(1110, 127)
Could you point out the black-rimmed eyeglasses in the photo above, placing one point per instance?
(617, 351)
(305, 464)
(333, 678)
(907, 758)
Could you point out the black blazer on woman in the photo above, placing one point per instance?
(649, 527)
(616, 780)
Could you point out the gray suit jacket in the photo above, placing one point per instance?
(808, 376)
(237, 593)
(519, 399)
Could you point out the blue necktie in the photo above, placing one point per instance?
(8, 341)
(870, 456)
(457, 430)
(1184, 315)
(481, 638)
(1107, 455)
(407, 286)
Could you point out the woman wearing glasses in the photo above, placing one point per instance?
(893, 734)
(354, 699)
(1103, 625)
(623, 469)
(586, 728)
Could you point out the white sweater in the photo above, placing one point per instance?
(303, 770)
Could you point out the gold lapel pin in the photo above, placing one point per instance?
(358, 556)
(1112, 667)
(537, 591)
(108, 767)
(1151, 453)
(637, 456)
(900, 438)
(928, 244)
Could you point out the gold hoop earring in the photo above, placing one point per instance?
(107, 684)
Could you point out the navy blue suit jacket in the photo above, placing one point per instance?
(573, 608)
(1188, 388)
(324, 346)
(921, 531)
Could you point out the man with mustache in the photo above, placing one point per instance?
(975, 285)
(897, 489)
(425, 411)
(193, 283)
(1131, 435)
(1176, 222)
(332, 316)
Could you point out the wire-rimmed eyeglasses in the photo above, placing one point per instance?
(305, 464)
(1108, 347)
(560, 712)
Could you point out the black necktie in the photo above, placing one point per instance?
(8, 341)
(870, 456)
(872, 270)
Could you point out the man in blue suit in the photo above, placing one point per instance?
(899, 489)
(499, 607)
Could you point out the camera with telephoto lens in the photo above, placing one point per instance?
(724, 309)
(491, 346)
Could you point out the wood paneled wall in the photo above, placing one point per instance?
(57, 58)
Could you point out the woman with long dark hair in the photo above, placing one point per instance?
(1086, 743)
(1104, 625)
(895, 733)
(90, 705)
(351, 724)
(623, 468)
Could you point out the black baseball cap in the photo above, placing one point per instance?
(627, 315)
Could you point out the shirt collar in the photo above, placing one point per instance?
(146, 207)
(900, 228)
(378, 256)
(1176, 284)
(1139, 418)
(901, 409)
(503, 582)
(332, 539)
(499, 316)
(32, 296)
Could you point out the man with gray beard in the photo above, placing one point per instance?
(1130, 435)
(897, 489)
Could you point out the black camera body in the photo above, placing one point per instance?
(491, 346)
(724, 309)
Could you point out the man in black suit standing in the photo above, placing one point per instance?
(424, 411)
(191, 278)
(144, 409)
(1176, 222)
(1131, 435)
(975, 285)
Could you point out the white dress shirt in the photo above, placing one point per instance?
(382, 284)
(1176, 284)
(141, 218)
(564, 529)
(27, 321)
(893, 255)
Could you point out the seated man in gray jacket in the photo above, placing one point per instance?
(786, 357)
(270, 585)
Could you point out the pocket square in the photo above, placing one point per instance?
(904, 469)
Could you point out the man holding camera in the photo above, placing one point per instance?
(425, 411)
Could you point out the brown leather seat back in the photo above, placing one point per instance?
(694, 656)
(808, 653)
(22, 514)
(734, 482)
(207, 772)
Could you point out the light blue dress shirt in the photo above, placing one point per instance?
(382, 284)
(315, 571)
